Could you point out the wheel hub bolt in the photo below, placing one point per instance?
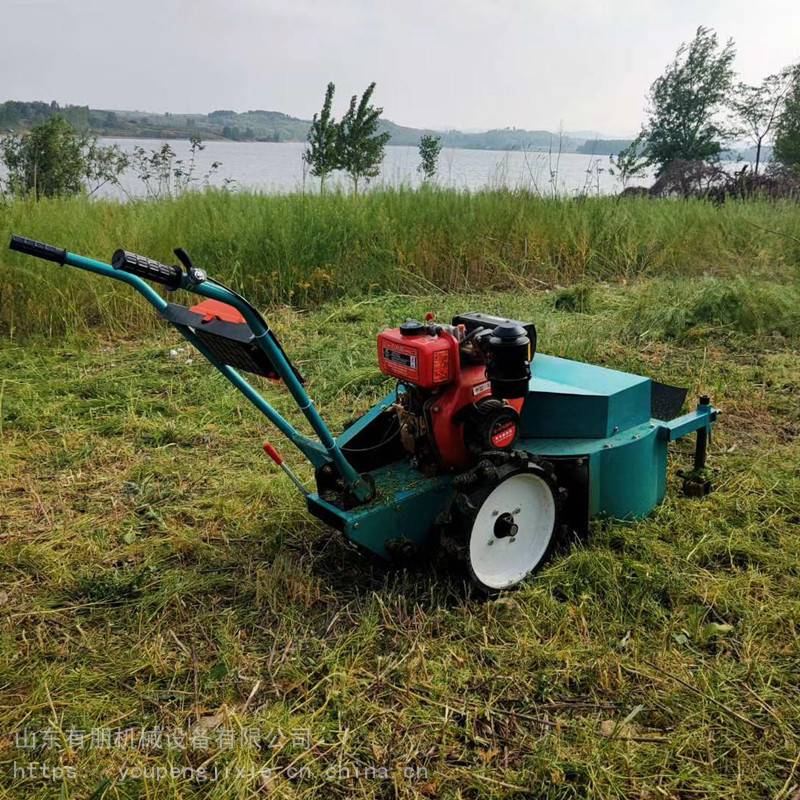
(505, 526)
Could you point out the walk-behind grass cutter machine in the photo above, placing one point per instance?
(484, 446)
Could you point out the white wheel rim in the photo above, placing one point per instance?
(500, 558)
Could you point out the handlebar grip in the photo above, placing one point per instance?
(147, 268)
(33, 248)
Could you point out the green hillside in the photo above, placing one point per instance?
(262, 126)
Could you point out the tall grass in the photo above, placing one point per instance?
(302, 249)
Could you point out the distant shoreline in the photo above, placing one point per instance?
(220, 140)
(727, 156)
(275, 127)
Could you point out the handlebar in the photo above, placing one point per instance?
(131, 268)
(141, 266)
(147, 268)
(33, 248)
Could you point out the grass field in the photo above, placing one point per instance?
(307, 249)
(157, 572)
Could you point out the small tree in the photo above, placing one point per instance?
(628, 163)
(787, 135)
(360, 146)
(685, 101)
(429, 149)
(104, 165)
(322, 153)
(758, 108)
(163, 174)
(54, 160)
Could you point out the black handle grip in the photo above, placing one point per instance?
(147, 268)
(33, 248)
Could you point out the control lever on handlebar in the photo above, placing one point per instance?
(195, 274)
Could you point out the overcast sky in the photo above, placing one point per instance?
(469, 64)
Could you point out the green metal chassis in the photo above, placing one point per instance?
(625, 471)
(588, 415)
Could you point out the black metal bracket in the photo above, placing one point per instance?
(697, 483)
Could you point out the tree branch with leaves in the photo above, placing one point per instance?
(787, 133)
(322, 152)
(55, 160)
(360, 146)
(686, 102)
(757, 109)
(429, 148)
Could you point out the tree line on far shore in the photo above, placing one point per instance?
(695, 109)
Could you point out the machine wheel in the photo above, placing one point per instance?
(507, 523)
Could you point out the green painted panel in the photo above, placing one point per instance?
(631, 477)
(627, 471)
(405, 508)
(569, 399)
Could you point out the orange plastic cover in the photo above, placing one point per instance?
(214, 309)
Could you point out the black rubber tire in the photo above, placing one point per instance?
(468, 501)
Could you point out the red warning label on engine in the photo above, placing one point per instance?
(400, 361)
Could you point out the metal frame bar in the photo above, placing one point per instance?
(688, 423)
(327, 451)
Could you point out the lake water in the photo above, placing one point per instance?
(279, 167)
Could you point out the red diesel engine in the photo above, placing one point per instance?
(460, 387)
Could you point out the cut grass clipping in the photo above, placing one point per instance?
(174, 625)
